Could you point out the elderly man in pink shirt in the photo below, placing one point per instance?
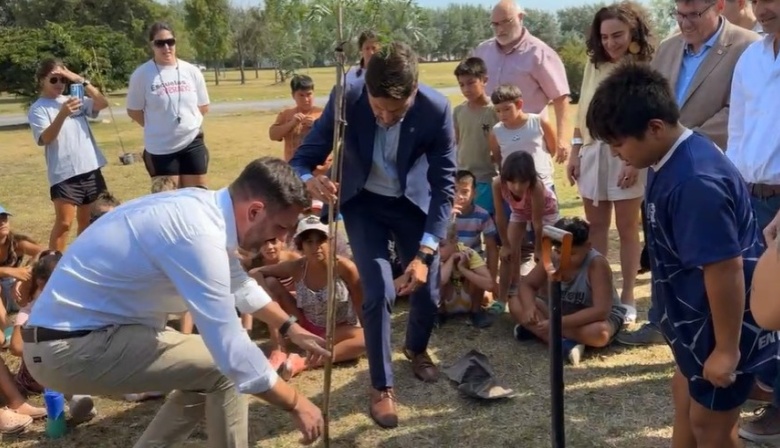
(517, 57)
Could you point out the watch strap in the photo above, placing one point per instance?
(286, 325)
(425, 257)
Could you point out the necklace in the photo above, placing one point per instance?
(176, 111)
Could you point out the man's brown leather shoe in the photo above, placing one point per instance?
(382, 408)
(422, 366)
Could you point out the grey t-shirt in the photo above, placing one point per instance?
(577, 293)
(75, 150)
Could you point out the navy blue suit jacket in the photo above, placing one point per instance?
(426, 151)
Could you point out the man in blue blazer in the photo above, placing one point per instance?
(398, 181)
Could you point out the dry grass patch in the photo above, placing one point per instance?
(617, 398)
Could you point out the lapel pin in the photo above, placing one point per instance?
(411, 129)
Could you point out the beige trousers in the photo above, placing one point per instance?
(134, 358)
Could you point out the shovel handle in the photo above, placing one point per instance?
(555, 235)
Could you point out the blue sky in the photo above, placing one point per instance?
(539, 4)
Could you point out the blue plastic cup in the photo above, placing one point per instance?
(56, 424)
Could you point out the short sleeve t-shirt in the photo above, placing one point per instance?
(698, 213)
(170, 97)
(473, 126)
(75, 150)
(473, 227)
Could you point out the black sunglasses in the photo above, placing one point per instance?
(161, 43)
(58, 79)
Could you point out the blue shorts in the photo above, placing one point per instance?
(484, 197)
(721, 398)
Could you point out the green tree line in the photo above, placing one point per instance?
(106, 39)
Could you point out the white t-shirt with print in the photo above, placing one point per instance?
(166, 93)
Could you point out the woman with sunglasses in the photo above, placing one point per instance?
(73, 158)
(168, 98)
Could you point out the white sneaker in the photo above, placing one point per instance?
(81, 409)
(575, 354)
(631, 314)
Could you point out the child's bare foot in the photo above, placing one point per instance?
(294, 365)
(30, 410)
(12, 422)
(277, 358)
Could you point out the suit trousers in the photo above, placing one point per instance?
(371, 221)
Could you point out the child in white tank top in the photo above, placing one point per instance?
(520, 131)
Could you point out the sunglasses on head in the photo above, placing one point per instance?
(57, 79)
(161, 43)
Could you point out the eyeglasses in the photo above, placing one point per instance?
(502, 22)
(691, 16)
(161, 43)
(58, 79)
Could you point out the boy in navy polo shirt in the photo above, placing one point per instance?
(704, 243)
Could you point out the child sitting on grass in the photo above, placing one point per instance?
(590, 304)
(271, 253)
(464, 280)
(530, 200)
(310, 303)
(704, 242)
(80, 407)
(473, 223)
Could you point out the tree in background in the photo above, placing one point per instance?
(104, 56)
(208, 24)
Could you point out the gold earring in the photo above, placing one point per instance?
(634, 47)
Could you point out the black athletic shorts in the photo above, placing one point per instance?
(193, 160)
(80, 190)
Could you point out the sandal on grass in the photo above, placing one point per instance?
(12, 422)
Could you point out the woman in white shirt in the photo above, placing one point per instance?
(73, 159)
(368, 42)
(168, 98)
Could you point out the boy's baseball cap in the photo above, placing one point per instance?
(3, 211)
(311, 222)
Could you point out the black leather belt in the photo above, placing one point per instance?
(40, 334)
(764, 191)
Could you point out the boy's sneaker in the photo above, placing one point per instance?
(521, 333)
(482, 319)
(81, 409)
(630, 316)
(572, 351)
(648, 334)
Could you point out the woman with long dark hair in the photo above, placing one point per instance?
(368, 44)
(620, 32)
(168, 98)
(73, 158)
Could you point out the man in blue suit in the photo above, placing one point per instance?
(398, 182)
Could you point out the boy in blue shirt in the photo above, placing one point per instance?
(704, 243)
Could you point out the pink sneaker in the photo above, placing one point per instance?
(277, 358)
(294, 365)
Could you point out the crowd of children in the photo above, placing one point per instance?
(505, 195)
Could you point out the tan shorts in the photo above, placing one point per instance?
(600, 173)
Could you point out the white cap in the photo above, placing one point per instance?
(311, 222)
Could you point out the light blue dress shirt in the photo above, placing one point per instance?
(691, 62)
(157, 255)
(383, 178)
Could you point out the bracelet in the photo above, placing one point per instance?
(286, 325)
(576, 141)
(295, 401)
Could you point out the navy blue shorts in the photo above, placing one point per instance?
(722, 398)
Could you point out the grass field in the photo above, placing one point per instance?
(616, 398)
(264, 86)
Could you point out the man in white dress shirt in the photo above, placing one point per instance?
(99, 325)
(754, 148)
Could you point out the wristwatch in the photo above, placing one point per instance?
(425, 257)
(286, 325)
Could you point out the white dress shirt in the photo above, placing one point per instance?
(157, 255)
(754, 140)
